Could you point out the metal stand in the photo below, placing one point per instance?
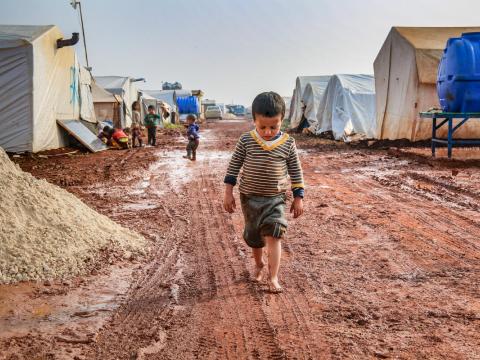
(447, 118)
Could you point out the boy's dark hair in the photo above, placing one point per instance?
(268, 104)
(106, 129)
(134, 104)
(191, 117)
(151, 107)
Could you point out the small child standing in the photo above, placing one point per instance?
(151, 122)
(136, 124)
(267, 156)
(193, 137)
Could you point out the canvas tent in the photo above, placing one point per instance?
(107, 105)
(299, 103)
(148, 100)
(288, 101)
(39, 84)
(405, 82)
(312, 97)
(347, 107)
(87, 110)
(167, 96)
(125, 88)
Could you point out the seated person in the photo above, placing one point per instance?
(115, 138)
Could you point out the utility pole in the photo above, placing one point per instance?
(74, 4)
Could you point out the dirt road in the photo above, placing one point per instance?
(385, 263)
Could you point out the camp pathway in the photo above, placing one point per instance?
(385, 262)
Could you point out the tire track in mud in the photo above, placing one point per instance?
(439, 243)
(141, 319)
(233, 324)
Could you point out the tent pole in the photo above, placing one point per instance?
(83, 33)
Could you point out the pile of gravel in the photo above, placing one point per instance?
(48, 233)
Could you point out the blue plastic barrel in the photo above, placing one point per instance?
(188, 105)
(458, 81)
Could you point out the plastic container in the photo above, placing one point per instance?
(458, 81)
(188, 105)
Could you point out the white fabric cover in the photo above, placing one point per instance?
(298, 99)
(312, 97)
(106, 104)
(124, 87)
(39, 84)
(405, 83)
(167, 96)
(288, 101)
(347, 107)
(87, 110)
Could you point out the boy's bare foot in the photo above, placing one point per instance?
(186, 157)
(275, 287)
(259, 272)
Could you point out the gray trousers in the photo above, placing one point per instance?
(192, 148)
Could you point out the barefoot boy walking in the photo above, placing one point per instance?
(268, 157)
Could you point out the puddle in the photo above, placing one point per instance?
(139, 206)
(28, 307)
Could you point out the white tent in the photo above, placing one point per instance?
(87, 110)
(106, 105)
(39, 84)
(405, 82)
(125, 88)
(347, 107)
(148, 100)
(288, 101)
(167, 96)
(299, 102)
(312, 97)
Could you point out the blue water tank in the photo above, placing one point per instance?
(188, 105)
(458, 81)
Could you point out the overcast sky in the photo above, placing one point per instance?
(234, 49)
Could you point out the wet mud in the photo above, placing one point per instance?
(385, 262)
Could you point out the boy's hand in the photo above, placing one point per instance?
(297, 207)
(229, 200)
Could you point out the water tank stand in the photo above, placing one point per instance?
(447, 118)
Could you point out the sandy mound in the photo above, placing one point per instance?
(47, 232)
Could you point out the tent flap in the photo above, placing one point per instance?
(16, 108)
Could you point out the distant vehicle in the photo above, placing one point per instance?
(213, 112)
(237, 110)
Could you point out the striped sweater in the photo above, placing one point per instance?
(266, 165)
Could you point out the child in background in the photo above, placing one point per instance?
(151, 122)
(193, 137)
(115, 138)
(136, 125)
(267, 157)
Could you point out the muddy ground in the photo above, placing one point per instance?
(385, 262)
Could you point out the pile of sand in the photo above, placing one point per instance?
(48, 233)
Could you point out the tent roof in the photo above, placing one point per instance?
(164, 95)
(359, 83)
(115, 84)
(432, 37)
(101, 95)
(302, 81)
(23, 32)
(428, 44)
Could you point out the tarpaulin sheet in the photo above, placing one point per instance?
(38, 85)
(298, 101)
(347, 107)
